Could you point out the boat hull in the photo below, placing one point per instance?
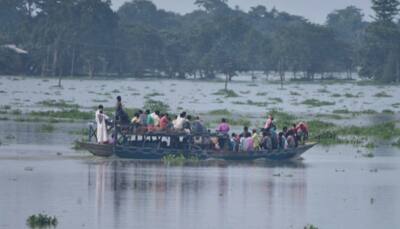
(101, 150)
(133, 152)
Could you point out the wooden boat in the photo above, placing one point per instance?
(101, 150)
(134, 152)
(156, 145)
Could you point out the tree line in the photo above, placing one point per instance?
(87, 38)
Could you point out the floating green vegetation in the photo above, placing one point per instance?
(387, 111)
(64, 114)
(5, 107)
(180, 159)
(384, 131)
(76, 145)
(396, 105)
(41, 221)
(226, 93)
(369, 155)
(155, 105)
(240, 122)
(47, 128)
(349, 95)
(16, 112)
(58, 104)
(336, 95)
(317, 103)
(81, 132)
(294, 93)
(341, 111)
(370, 145)
(100, 100)
(396, 143)
(382, 94)
(252, 85)
(154, 94)
(261, 94)
(310, 226)
(276, 99)
(251, 103)
(323, 90)
(329, 116)
(220, 112)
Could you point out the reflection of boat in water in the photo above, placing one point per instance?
(156, 145)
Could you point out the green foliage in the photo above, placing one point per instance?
(58, 104)
(41, 221)
(240, 122)
(226, 93)
(397, 143)
(223, 112)
(382, 94)
(87, 38)
(47, 128)
(64, 114)
(317, 103)
(310, 226)
(380, 50)
(155, 105)
(179, 159)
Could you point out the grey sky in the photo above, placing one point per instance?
(314, 10)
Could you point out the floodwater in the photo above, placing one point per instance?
(332, 187)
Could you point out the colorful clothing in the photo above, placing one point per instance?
(223, 128)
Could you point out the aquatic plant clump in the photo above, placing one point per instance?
(310, 226)
(58, 104)
(226, 93)
(382, 95)
(47, 128)
(155, 105)
(220, 112)
(180, 159)
(41, 221)
(317, 103)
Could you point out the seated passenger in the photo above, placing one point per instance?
(164, 121)
(178, 123)
(266, 141)
(282, 144)
(156, 117)
(135, 120)
(187, 126)
(291, 141)
(198, 126)
(248, 143)
(274, 138)
(150, 121)
(235, 142)
(142, 118)
(256, 140)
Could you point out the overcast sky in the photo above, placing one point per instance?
(314, 10)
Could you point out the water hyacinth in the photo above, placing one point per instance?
(41, 221)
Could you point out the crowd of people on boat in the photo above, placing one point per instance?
(266, 138)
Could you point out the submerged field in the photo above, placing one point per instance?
(338, 112)
(352, 174)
